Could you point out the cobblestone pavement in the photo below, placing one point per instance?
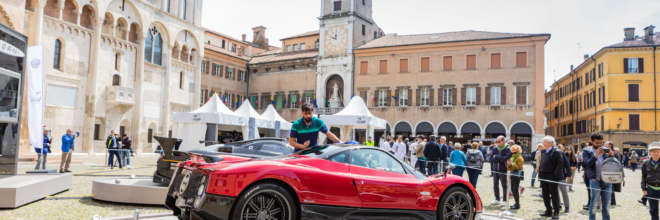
(626, 208)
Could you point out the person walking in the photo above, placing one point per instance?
(42, 152)
(445, 152)
(500, 154)
(563, 183)
(578, 157)
(399, 148)
(127, 143)
(633, 160)
(305, 131)
(466, 147)
(112, 144)
(421, 159)
(67, 149)
(412, 154)
(599, 188)
(550, 172)
(386, 145)
(483, 151)
(475, 163)
(370, 142)
(610, 145)
(515, 164)
(573, 162)
(433, 153)
(535, 156)
(587, 153)
(458, 158)
(651, 179)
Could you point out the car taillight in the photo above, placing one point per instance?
(196, 160)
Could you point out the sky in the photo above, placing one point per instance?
(577, 27)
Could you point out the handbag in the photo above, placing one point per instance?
(518, 175)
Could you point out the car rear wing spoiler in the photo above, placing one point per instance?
(195, 157)
(168, 145)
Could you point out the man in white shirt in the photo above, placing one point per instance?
(385, 145)
(399, 148)
(413, 155)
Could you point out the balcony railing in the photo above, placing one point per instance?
(327, 111)
(118, 95)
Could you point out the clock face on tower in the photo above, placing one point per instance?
(336, 38)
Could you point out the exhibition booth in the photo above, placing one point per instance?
(355, 115)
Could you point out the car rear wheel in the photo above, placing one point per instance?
(456, 204)
(265, 201)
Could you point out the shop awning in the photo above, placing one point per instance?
(424, 127)
(521, 128)
(447, 128)
(495, 128)
(470, 128)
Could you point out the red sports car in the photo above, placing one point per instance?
(325, 182)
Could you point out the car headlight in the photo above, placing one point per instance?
(200, 191)
(184, 183)
(203, 180)
(198, 202)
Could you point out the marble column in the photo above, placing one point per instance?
(137, 108)
(92, 92)
(39, 19)
(166, 106)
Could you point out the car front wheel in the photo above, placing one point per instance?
(265, 201)
(456, 204)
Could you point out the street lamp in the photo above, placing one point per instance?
(620, 122)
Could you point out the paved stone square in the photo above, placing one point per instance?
(92, 168)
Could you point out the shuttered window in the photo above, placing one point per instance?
(521, 95)
(447, 97)
(337, 6)
(633, 92)
(403, 65)
(496, 60)
(471, 62)
(447, 63)
(426, 64)
(383, 66)
(521, 59)
(364, 67)
(633, 122)
(495, 95)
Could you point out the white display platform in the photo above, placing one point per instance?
(134, 191)
(22, 189)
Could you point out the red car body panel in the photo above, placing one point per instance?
(323, 182)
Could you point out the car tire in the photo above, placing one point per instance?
(456, 203)
(249, 203)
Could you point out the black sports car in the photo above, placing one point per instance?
(256, 148)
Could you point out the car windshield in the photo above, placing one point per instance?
(318, 150)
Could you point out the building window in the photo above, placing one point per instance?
(116, 80)
(470, 96)
(293, 100)
(600, 70)
(521, 59)
(424, 97)
(279, 101)
(302, 46)
(150, 134)
(57, 53)
(364, 67)
(203, 66)
(254, 100)
(238, 100)
(382, 98)
(403, 65)
(295, 47)
(633, 65)
(447, 97)
(521, 95)
(317, 44)
(181, 80)
(241, 75)
(495, 95)
(309, 98)
(337, 6)
(288, 48)
(184, 9)
(633, 122)
(230, 73)
(233, 48)
(403, 97)
(375, 35)
(117, 58)
(228, 100)
(364, 30)
(426, 64)
(496, 60)
(216, 70)
(383, 66)
(268, 69)
(153, 56)
(167, 6)
(202, 96)
(633, 92)
(471, 62)
(363, 2)
(97, 132)
(223, 44)
(447, 63)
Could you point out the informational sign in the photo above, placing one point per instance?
(35, 94)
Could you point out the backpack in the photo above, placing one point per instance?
(611, 171)
(472, 158)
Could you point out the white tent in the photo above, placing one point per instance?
(354, 115)
(285, 126)
(246, 110)
(203, 124)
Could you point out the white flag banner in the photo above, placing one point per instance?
(35, 93)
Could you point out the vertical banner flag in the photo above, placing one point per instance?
(35, 58)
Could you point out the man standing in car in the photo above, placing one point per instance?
(305, 131)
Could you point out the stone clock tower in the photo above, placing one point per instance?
(344, 25)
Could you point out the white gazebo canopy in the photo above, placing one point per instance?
(271, 114)
(246, 110)
(213, 112)
(356, 114)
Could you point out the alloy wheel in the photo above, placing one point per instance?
(457, 207)
(266, 205)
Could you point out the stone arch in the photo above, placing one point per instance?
(460, 129)
(99, 129)
(124, 127)
(108, 24)
(154, 131)
(5, 19)
(134, 35)
(492, 122)
(524, 122)
(193, 56)
(402, 126)
(439, 130)
(424, 124)
(70, 11)
(176, 51)
(88, 17)
(184, 53)
(329, 86)
(121, 29)
(52, 9)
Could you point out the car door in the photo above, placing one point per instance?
(384, 183)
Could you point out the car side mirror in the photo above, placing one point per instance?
(449, 167)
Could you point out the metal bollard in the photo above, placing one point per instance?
(136, 215)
